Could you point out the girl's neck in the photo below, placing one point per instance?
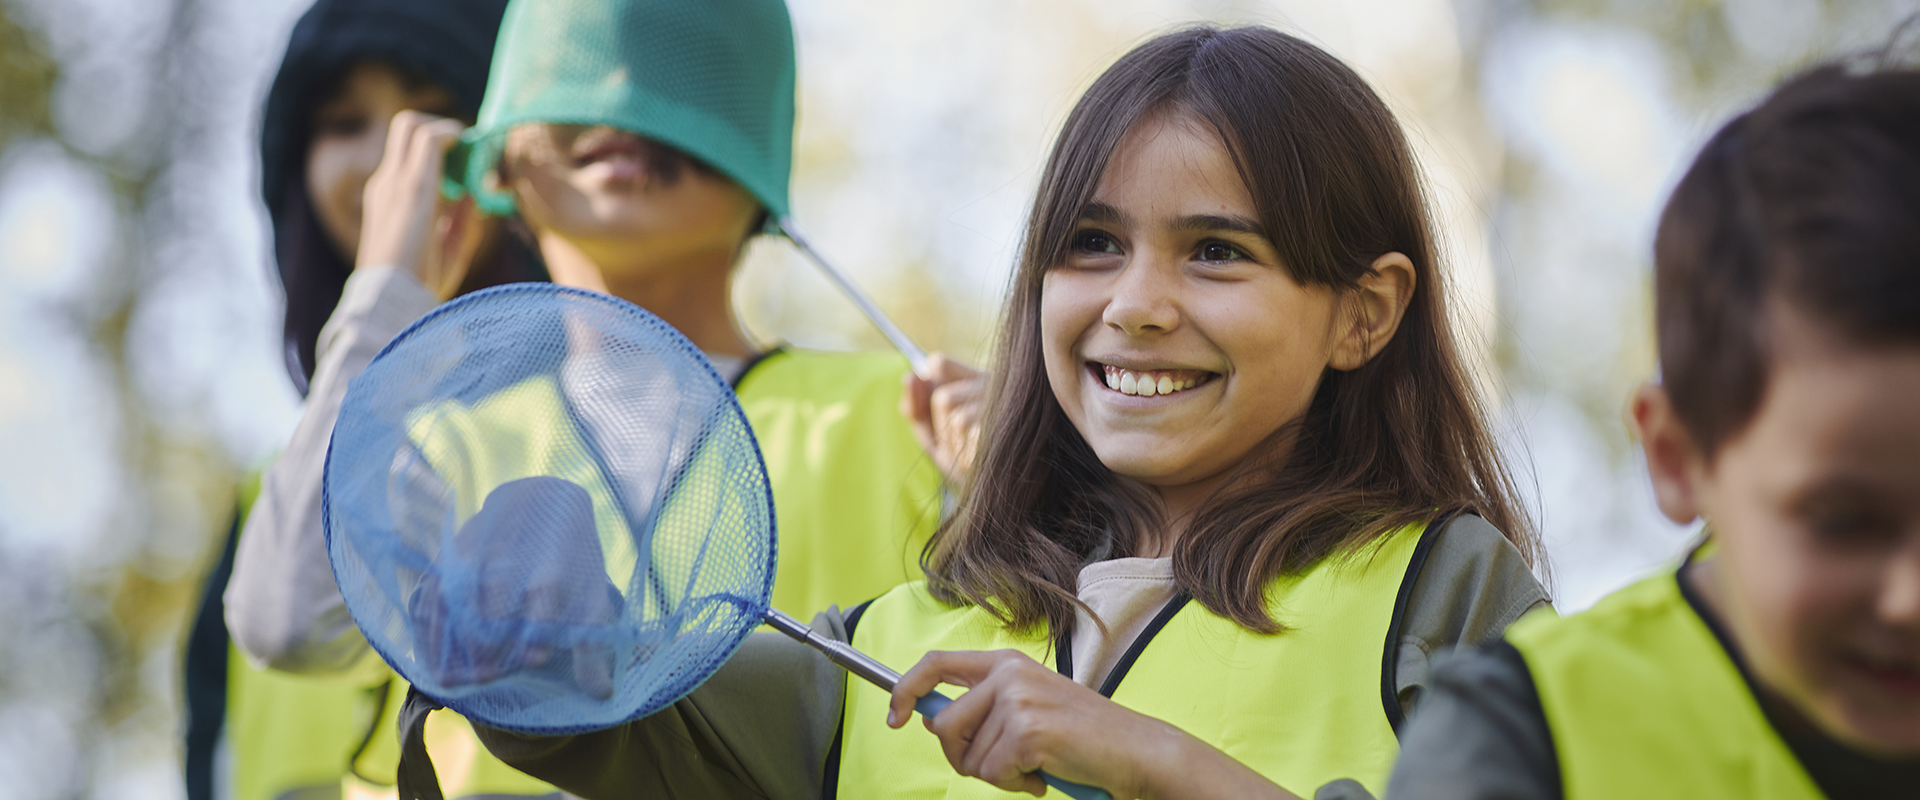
(1180, 504)
(695, 298)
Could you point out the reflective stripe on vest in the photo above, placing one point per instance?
(856, 499)
(1303, 707)
(1643, 702)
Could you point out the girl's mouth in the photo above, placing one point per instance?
(1149, 383)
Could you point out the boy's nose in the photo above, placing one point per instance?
(1899, 599)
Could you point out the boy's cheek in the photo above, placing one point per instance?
(1805, 621)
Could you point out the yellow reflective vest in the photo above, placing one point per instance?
(1643, 702)
(855, 499)
(1303, 707)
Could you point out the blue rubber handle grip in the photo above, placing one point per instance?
(932, 703)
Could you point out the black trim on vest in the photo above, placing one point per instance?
(747, 369)
(830, 772)
(1063, 654)
(1120, 668)
(205, 673)
(1389, 660)
(852, 619)
(1698, 605)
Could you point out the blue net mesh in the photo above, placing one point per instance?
(546, 510)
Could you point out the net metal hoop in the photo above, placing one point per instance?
(344, 538)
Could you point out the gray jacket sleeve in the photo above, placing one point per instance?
(761, 727)
(1481, 735)
(283, 608)
(1473, 584)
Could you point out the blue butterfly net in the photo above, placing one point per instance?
(546, 511)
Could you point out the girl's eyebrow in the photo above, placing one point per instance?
(1101, 212)
(1211, 222)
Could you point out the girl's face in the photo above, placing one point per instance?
(1174, 338)
(626, 201)
(350, 134)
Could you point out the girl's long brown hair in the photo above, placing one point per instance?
(1395, 441)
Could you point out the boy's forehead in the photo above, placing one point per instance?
(1834, 408)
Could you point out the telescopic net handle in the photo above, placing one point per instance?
(915, 356)
(929, 705)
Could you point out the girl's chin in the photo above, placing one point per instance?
(1161, 473)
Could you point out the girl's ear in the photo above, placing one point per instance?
(1374, 308)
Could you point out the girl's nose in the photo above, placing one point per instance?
(1143, 299)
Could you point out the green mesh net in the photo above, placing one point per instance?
(712, 78)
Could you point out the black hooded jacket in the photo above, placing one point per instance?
(446, 42)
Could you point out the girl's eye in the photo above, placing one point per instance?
(340, 126)
(1219, 251)
(1095, 242)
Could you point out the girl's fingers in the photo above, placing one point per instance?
(1000, 731)
(406, 222)
(998, 756)
(431, 141)
(457, 245)
(399, 137)
(962, 668)
(916, 406)
(941, 408)
(958, 725)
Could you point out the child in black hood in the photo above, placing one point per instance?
(438, 50)
(349, 66)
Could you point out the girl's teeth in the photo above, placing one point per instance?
(1145, 384)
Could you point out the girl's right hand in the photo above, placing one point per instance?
(405, 222)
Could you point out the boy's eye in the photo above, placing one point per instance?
(1846, 522)
(1842, 525)
(1219, 251)
(1095, 242)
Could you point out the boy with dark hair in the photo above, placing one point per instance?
(1782, 659)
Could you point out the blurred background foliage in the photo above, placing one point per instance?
(139, 371)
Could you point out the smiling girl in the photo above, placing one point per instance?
(1234, 493)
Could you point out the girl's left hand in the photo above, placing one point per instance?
(1019, 717)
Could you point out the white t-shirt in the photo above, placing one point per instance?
(1126, 593)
